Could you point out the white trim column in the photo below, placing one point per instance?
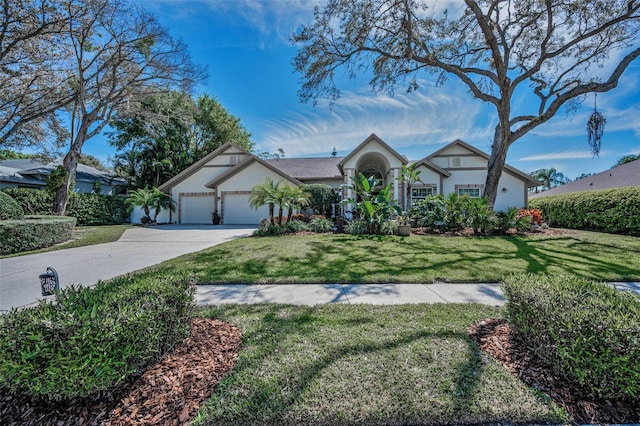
(396, 192)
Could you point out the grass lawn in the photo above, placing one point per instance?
(85, 236)
(344, 258)
(337, 364)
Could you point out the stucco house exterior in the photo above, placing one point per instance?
(222, 180)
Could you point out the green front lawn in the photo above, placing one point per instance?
(337, 364)
(343, 258)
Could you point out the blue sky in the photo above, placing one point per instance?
(246, 46)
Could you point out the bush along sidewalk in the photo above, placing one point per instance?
(92, 340)
(585, 332)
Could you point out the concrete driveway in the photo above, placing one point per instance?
(138, 248)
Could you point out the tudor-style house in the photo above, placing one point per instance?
(222, 181)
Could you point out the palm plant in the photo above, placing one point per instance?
(265, 194)
(161, 201)
(480, 216)
(297, 198)
(144, 198)
(409, 176)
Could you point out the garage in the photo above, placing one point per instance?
(236, 210)
(196, 208)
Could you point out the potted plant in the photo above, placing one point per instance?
(404, 225)
(215, 218)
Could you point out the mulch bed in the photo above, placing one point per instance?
(495, 337)
(168, 393)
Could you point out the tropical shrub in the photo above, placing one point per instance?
(586, 332)
(372, 208)
(480, 216)
(512, 219)
(295, 226)
(356, 227)
(34, 232)
(534, 214)
(429, 213)
(321, 225)
(9, 208)
(92, 340)
(615, 211)
(389, 227)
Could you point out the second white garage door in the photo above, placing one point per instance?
(237, 211)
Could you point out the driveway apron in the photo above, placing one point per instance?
(138, 248)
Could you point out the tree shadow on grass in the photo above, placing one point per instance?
(254, 394)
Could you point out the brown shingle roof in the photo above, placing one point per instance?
(621, 176)
(308, 168)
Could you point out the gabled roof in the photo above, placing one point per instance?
(245, 164)
(428, 164)
(530, 182)
(166, 187)
(372, 137)
(12, 175)
(309, 168)
(619, 177)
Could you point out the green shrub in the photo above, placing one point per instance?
(587, 333)
(9, 208)
(356, 227)
(321, 224)
(32, 201)
(389, 227)
(294, 226)
(88, 209)
(322, 198)
(91, 341)
(511, 219)
(34, 232)
(616, 211)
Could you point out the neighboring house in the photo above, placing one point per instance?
(222, 180)
(625, 175)
(29, 173)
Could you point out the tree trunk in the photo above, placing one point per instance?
(495, 165)
(61, 198)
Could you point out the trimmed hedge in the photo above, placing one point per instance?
(586, 332)
(615, 211)
(9, 208)
(88, 209)
(34, 232)
(93, 340)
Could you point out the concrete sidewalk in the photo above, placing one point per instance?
(376, 294)
(138, 248)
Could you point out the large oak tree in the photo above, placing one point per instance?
(555, 50)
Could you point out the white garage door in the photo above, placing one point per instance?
(196, 209)
(238, 212)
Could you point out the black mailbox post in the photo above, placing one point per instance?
(49, 282)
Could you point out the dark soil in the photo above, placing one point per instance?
(168, 393)
(494, 336)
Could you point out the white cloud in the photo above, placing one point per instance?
(562, 155)
(407, 120)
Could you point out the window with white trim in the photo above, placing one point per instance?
(455, 162)
(470, 192)
(421, 192)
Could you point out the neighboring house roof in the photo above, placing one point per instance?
(622, 176)
(309, 168)
(34, 170)
(11, 175)
(372, 137)
(245, 164)
(166, 187)
(530, 182)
